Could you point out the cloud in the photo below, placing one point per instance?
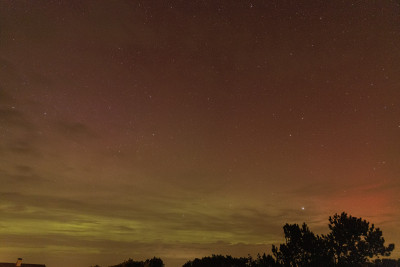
(113, 252)
(23, 168)
(75, 130)
(18, 132)
(5, 99)
(9, 75)
(21, 147)
(51, 214)
(10, 117)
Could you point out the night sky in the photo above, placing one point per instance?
(181, 129)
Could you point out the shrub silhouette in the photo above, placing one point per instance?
(218, 261)
(154, 262)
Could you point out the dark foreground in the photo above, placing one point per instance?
(351, 242)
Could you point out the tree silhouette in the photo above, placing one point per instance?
(218, 261)
(350, 243)
(387, 263)
(154, 262)
(302, 248)
(264, 261)
(352, 240)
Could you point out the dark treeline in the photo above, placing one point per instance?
(154, 262)
(351, 242)
(269, 261)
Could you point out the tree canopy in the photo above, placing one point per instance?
(351, 242)
(302, 248)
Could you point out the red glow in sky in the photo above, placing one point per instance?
(181, 129)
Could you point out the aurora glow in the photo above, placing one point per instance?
(179, 129)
